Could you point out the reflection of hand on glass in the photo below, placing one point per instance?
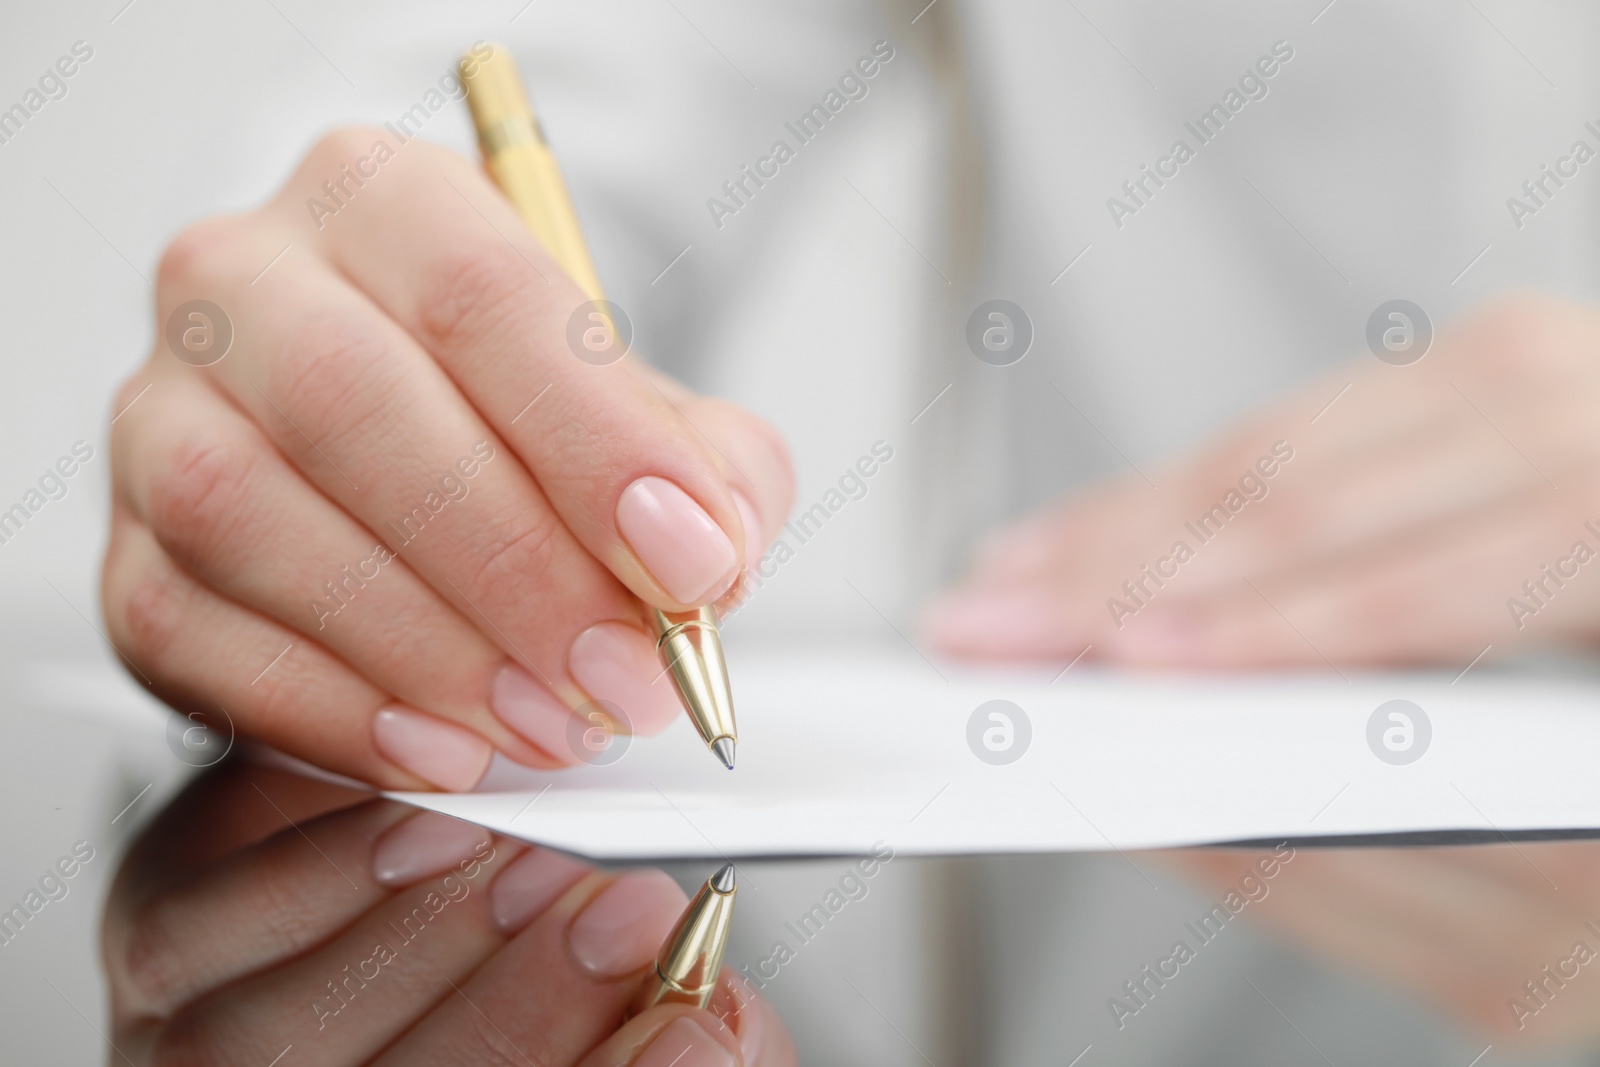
(1464, 927)
(1392, 529)
(369, 932)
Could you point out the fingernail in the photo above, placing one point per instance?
(755, 541)
(685, 1043)
(1015, 623)
(523, 703)
(617, 662)
(622, 929)
(424, 845)
(529, 885)
(441, 753)
(673, 536)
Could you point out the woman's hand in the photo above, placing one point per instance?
(400, 523)
(1386, 515)
(367, 932)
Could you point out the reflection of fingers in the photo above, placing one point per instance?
(354, 993)
(561, 986)
(1390, 905)
(1403, 915)
(1539, 869)
(264, 903)
(219, 813)
(204, 652)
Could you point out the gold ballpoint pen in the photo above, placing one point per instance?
(522, 165)
(691, 957)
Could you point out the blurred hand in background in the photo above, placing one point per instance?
(1382, 516)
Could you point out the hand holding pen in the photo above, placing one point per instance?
(390, 521)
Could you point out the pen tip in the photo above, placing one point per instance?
(723, 747)
(723, 881)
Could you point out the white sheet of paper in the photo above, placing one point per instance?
(836, 754)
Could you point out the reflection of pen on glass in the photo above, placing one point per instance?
(524, 168)
(691, 957)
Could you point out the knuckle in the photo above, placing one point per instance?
(470, 292)
(752, 428)
(493, 1048)
(193, 254)
(334, 372)
(510, 556)
(342, 144)
(152, 956)
(150, 615)
(781, 460)
(201, 500)
(278, 902)
(752, 436)
(276, 704)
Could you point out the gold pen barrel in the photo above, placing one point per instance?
(691, 648)
(521, 163)
(691, 957)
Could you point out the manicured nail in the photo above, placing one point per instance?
(529, 885)
(685, 1043)
(617, 662)
(523, 703)
(622, 929)
(1015, 623)
(688, 553)
(442, 753)
(424, 845)
(755, 542)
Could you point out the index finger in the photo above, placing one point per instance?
(444, 255)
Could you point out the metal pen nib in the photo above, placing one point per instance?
(691, 649)
(691, 957)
